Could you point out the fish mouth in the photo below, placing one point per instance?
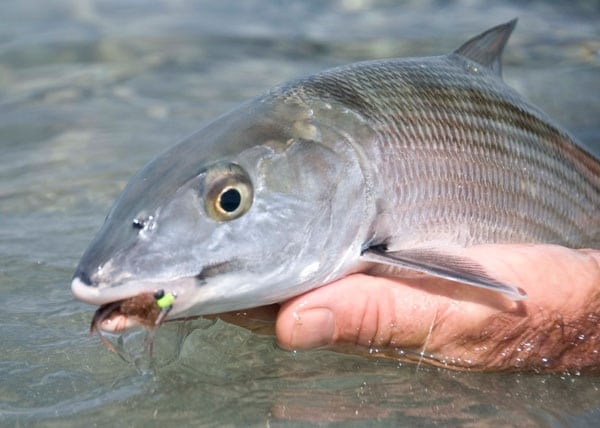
(102, 294)
(127, 306)
(141, 310)
(97, 295)
(135, 302)
(138, 302)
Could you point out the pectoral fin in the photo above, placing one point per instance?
(443, 265)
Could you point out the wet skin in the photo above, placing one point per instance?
(554, 329)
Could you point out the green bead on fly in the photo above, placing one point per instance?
(165, 303)
(164, 300)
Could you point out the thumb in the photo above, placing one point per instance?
(359, 309)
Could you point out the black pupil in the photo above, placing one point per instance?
(230, 200)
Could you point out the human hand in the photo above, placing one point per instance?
(556, 328)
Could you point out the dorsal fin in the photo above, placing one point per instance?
(486, 48)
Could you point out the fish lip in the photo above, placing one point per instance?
(105, 293)
(95, 295)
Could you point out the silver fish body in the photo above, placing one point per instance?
(394, 161)
(458, 153)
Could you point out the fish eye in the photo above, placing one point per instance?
(230, 199)
(228, 192)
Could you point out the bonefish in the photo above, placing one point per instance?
(399, 163)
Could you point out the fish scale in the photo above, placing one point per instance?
(448, 128)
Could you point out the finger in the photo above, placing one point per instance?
(359, 309)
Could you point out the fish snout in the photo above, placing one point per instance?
(84, 289)
(98, 290)
(83, 277)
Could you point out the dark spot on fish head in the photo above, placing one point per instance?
(138, 223)
(142, 221)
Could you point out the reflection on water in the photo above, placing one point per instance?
(91, 90)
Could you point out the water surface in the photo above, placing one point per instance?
(91, 90)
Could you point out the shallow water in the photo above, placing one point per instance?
(91, 90)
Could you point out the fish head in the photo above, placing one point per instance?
(262, 204)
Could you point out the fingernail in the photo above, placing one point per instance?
(313, 328)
